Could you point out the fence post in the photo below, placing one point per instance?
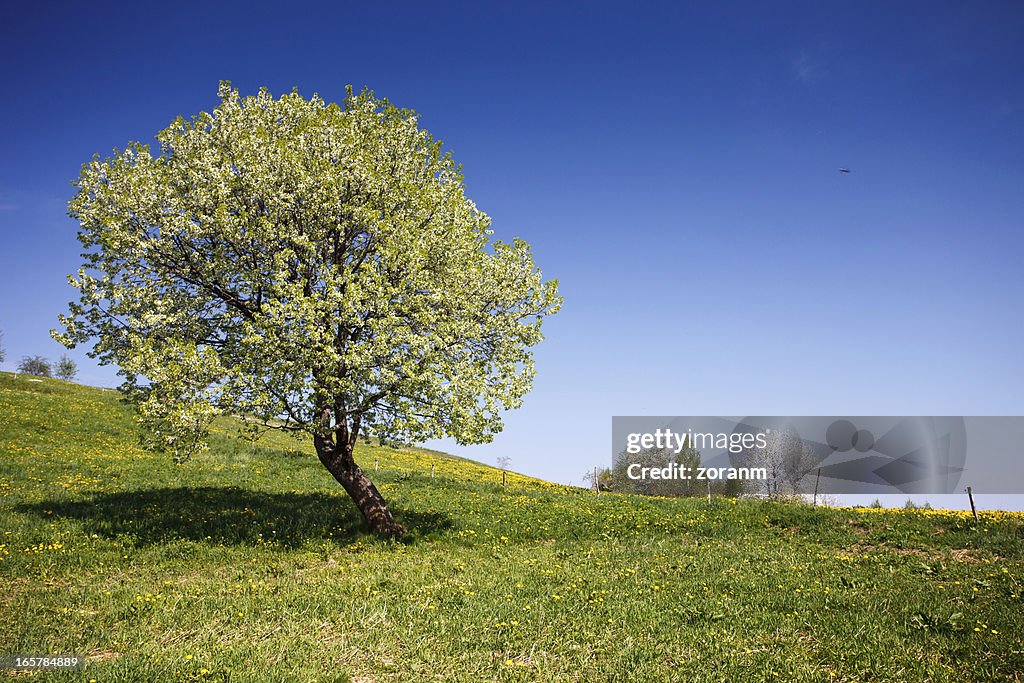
(376, 465)
(709, 492)
(503, 473)
(974, 510)
(431, 470)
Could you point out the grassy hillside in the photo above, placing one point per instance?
(249, 564)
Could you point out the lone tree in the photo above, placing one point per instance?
(66, 369)
(786, 458)
(315, 266)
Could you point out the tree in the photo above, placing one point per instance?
(35, 365)
(504, 462)
(786, 459)
(688, 457)
(315, 266)
(66, 369)
(603, 477)
(3, 354)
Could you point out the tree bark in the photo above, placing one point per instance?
(339, 461)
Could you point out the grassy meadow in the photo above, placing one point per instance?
(249, 563)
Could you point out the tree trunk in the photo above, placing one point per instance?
(339, 461)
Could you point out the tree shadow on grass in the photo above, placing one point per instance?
(229, 516)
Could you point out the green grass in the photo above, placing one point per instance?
(250, 564)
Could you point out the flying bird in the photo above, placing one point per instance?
(844, 170)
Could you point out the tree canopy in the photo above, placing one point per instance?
(65, 369)
(35, 365)
(314, 265)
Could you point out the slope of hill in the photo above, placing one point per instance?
(249, 564)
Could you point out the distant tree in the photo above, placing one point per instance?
(2, 352)
(66, 369)
(35, 365)
(604, 479)
(787, 460)
(688, 457)
(315, 266)
(730, 488)
(504, 462)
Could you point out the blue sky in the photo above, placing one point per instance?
(674, 167)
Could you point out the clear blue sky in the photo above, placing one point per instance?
(674, 167)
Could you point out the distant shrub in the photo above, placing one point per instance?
(605, 479)
(66, 369)
(791, 498)
(876, 504)
(826, 501)
(35, 365)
